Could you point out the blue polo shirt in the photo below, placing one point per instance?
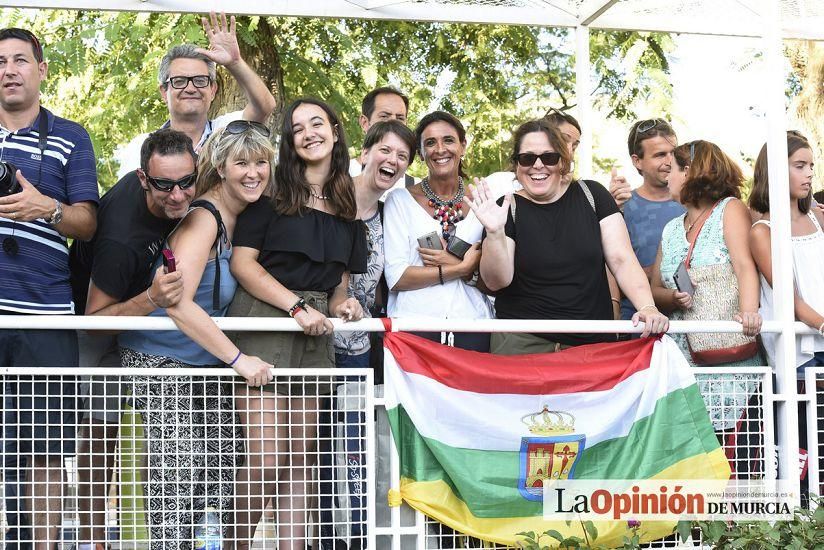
(36, 279)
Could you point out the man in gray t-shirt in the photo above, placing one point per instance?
(648, 208)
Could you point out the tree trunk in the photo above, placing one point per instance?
(807, 59)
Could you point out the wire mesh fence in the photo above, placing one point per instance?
(147, 458)
(153, 457)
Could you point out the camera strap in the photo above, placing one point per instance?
(43, 135)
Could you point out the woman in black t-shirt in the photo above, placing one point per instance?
(292, 256)
(545, 247)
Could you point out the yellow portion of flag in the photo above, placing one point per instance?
(436, 500)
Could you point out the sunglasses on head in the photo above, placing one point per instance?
(167, 185)
(646, 125)
(547, 159)
(239, 126)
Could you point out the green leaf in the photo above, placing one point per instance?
(555, 535)
(591, 530)
(684, 530)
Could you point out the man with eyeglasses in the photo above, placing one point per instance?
(187, 80)
(649, 207)
(114, 274)
(50, 195)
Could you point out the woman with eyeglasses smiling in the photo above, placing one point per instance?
(293, 256)
(545, 247)
(193, 441)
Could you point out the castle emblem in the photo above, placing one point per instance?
(551, 455)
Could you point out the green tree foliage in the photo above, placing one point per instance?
(103, 70)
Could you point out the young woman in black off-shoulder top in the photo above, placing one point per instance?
(292, 256)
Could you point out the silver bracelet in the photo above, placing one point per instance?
(149, 296)
(821, 329)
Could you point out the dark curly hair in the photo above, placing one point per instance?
(711, 176)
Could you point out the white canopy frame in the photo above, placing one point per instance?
(771, 20)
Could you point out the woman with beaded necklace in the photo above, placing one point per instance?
(430, 281)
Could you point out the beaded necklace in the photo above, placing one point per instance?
(448, 212)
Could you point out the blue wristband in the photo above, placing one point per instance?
(235, 359)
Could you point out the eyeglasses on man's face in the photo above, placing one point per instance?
(180, 82)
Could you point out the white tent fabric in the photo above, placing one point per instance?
(800, 19)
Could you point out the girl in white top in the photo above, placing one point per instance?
(807, 246)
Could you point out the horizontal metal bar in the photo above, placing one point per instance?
(225, 372)
(265, 324)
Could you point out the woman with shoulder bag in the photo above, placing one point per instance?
(704, 271)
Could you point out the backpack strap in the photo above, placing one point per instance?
(588, 193)
(584, 188)
(221, 233)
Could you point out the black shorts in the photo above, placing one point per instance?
(39, 412)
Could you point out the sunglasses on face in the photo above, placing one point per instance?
(239, 126)
(167, 186)
(547, 159)
(180, 82)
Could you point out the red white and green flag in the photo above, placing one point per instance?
(478, 434)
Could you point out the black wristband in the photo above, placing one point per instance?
(440, 274)
(299, 305)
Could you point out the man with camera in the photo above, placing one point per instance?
(114, 274)
(48, 193)
(187, 80)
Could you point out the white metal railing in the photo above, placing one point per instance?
(406, 529)
(186, 444)
(814, 408)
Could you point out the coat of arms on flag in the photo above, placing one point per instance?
(550, 456)
(479, 435)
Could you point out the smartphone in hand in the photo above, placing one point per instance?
(431, 241)
(168, 260)
(682, 280)
(458, 247)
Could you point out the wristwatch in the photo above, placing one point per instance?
(474, 280)
(57, 215)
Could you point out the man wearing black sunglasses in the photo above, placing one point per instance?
(650, 144)
(113, 275)
(187, 80)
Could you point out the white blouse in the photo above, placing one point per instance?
(808, 275)
(405, 221)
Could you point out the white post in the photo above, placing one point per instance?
(584, 100)
(774, 101)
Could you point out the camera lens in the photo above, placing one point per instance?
(8, 179)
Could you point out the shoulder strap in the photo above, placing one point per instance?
(512, 207)
(42, 130)
(811, 214)
(704, 218)
(588, 193)
(764, 222)
(221, 232)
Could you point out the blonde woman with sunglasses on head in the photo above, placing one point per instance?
(546, 245)
(193, 439)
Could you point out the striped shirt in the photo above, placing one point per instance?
(36, 279)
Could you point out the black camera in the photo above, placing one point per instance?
(8, 179)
